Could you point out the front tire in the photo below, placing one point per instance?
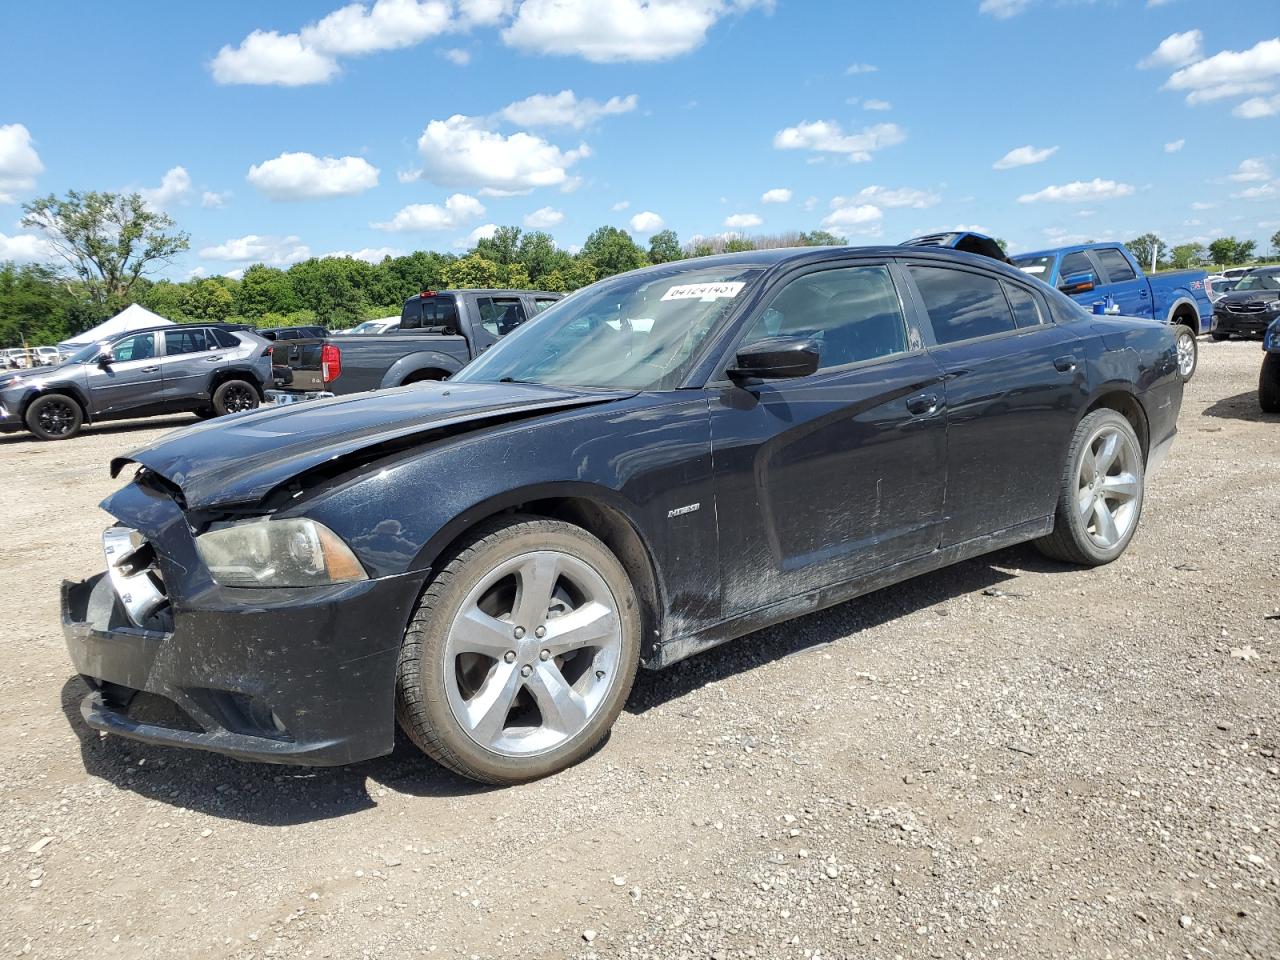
(235, 396)
(54, 417)
(1188, 351)
(521, 652)
(1269, 384)
(1100, 499)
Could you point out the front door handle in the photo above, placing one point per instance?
(212, 359)
(1065, 364)
(922, 404)
(150, 369)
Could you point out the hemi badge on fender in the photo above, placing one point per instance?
(681, 511)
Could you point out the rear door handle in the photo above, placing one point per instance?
(1065, 364)
(924, 403)
(212, 359)
(150, 369)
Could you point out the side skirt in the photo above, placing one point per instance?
(676, 649)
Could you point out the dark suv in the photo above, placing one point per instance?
(209, 370)
(1251, 306)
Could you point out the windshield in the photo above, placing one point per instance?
(87, 354)
(638, 332)
(1259, 281)
(1038, 267)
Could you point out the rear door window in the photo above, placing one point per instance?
(1026, 308)
(177, 342)
(962, 305)
(223, 339)
(1074, 263)
(500, 315)
(1114, 262)
(541, 303)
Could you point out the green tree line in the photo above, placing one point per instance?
(108, 244)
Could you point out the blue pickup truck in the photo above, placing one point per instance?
(1107, 274)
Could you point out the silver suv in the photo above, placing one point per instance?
(209, 370)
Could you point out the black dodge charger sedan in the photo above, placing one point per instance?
(659, 463)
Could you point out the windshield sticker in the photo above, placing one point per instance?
(706, 292)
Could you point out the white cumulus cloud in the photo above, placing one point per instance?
(1252, 170)
(857, 69)
(25, 248)
(304, 176)
(174, 187)
(543, 218)
(252, 248)
(873, 104)
(482, 232)
(647, 222)
(458, 57)
(605, 31)
(1230, 73)
(464, 152)
(826, 136)
(890, 197)
(776, 195)
(564, 109)
(866, 216)
(621, 205)
(1023, 157)
(267, 57)
(1003, 9)
(19, 162)
(387, 25)
(213, 200)
(1175, 146)
(1176, 50)
(741, 221)
(1255, 108)
(457, 210)
(1080, 191)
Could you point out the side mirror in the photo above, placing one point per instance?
(1077, 283)
(776, 358)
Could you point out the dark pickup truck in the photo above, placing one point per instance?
(440, 332)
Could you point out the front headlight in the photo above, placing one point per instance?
(278, 553)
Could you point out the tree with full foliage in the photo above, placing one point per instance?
(109, 240)
(335, 288)
(36, 308)
(264, 290)
(821, 238)
(209, 301)
(1275, 243)
(502, 248)
(473, 270)
(664, 247)
(611, 251)
(1187, 255)
(1228, 251)
(539, 255)
(1147, 247)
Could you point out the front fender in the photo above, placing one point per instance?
(421, 360)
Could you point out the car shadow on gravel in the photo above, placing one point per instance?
(113, 426)
(993, 572)
(1243, 406)
(258, 793)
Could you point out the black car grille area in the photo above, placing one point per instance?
(142, 707)
(1258, 307)
(241, 713)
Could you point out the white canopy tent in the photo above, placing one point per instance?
(132, 317)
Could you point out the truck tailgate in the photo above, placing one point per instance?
(297, 364)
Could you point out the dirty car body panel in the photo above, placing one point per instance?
(734, 502)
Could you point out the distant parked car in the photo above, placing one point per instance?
(292, 333)
(1236, 273)
(16, 358)
(1269, 379)
(48, 356)
(1250, 308)
(1107, 273)
(384, 325)
(208, 370)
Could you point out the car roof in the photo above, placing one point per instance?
(488, 292)
(230, 327)
(1072, 248)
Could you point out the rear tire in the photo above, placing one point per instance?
(54, 417)
(1269, 384)
(1188, 351)
(235, 396)
(1101, 492)
(504, 701)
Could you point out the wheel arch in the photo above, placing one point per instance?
(602, 513)
(425, 374)
(1125, 403)
(63, 390)
(1184, 311)
(405, 367)
(223, 374)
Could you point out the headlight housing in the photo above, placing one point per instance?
(278, 553)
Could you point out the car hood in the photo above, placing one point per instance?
(33, 376)
(1249, 296)
(242, 458)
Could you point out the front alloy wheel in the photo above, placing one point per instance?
(521, 653)
(1187, 352)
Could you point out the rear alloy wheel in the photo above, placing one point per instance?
(1188, 351)
(54, 417)
(234, 396)
(521, 653)
(1269, 384)
(1100, 500)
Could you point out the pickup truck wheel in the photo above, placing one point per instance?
(520, 653)
(234, 396)
(1269, 384)
(1188, 351)
(54, 417)
(1100, 500)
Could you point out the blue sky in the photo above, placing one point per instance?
(275, 131)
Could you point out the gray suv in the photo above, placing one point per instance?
(209, 370)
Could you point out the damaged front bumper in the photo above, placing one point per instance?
(304, 676)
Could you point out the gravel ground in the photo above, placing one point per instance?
(1005, 759)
